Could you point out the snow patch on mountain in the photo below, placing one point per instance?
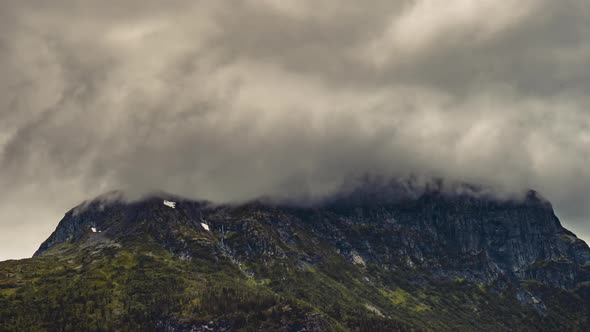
(170, 204)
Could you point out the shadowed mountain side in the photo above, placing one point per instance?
(366, 260)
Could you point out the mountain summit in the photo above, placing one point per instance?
(361, 261)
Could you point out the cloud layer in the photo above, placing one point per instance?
(230, 101)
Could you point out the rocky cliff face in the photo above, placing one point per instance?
(369, 260)
(447, 236)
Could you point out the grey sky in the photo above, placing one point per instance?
(233, 100)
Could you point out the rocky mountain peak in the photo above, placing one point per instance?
(377, 257)
(467, 233)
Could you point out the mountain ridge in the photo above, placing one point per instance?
(353, 262)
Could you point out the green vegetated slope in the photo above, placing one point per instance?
(152, 268)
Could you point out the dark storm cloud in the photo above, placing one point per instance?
(234, 100)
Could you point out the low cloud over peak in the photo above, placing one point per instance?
(230, 102)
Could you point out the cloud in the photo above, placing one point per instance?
(287, 98)
(427, 23)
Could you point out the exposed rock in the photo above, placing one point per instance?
(450, 236)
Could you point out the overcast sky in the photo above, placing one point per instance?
(230, 100)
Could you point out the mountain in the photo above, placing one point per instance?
(372, 259)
